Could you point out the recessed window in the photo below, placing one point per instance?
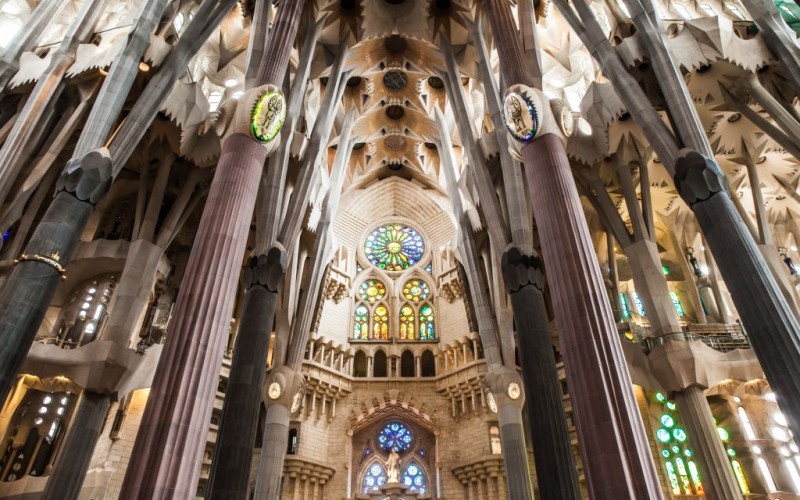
(178, 22)
(707, 9)
(681, 10)
(214, 98)
(735, 11)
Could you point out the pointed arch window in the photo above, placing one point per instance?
(371, 316)
(375, 477)
(414, 478)
(416, 313)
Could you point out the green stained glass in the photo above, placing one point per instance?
(665, 453)
(677, 303)
(426, 327)
(394, 247)
(679, 434)
(667, 420)
(660, 397)
(361, 323)
(731, 452)
(739, 473)
(671, 405)
(723, 433)
(694, 474)
(416, 290)
(676, 449)
(663, 435)
(372, 291)
(673, 478)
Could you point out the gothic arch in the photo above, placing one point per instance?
(393, 403)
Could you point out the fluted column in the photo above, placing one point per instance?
(716, 470)
(233, 454)
(552, 450)
(69, 471)
(775, 336)
(610, 429)
(51, 244)
(168, 450)
(169, 445)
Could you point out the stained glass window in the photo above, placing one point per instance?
(375, 477)
(361, 323)
(677, 303)
(639, 305)
(380, 327)
(414, 478)
(426, 328)
(394, 247)
(372, 291)
(407, 330)
(416, 291)
(395, 436)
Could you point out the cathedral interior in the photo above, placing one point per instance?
(399, 249)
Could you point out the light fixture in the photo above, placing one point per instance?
(238, 94)
(144, 67)
(770, 396)
(231, 82)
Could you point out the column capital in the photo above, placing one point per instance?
(521, 270)
(505, 385)
(697, 177)
(266, 270)
(285, 387)
(88, 178)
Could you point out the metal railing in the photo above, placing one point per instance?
(720, 337)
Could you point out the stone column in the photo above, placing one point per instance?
(555, 466)
(230, 469)
(716, 470)
(40, 267)
(609, 426)
(773, 329)
(70, 468)
(285, 392)
(171, 439)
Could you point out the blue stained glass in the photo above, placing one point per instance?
(395, 436)
(394, 247)
(414, 478)
(375, 477)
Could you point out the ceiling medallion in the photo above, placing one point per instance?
(268, 115)
(394, 142)
(491, 402)
(297, 400)
(520, 116)
(567, 121)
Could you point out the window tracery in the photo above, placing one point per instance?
(395, 448)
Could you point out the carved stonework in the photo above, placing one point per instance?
(266, 270)
(336, 285)
(520, 270)
(88, 178)
(697, 177)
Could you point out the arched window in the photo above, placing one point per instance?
(407, 364)
(375, 477)
(395, 436)
(428, 364)
(86, 313)
(414, 478)
(35, 433)
(416, 313)
(360, 364)
(379, 366)
(371, 316)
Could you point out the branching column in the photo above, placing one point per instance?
(610, 429)
(169, 446)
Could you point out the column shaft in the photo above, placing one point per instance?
(715, 469)
(24, 307)
(276, 438)
(230, 469)
(166, 455)
(611, 433)
(73, 460)
(552, 450)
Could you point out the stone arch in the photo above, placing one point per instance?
(407, 364)
(427, 364)
(360, 364)
(393, 403)
(380, 364)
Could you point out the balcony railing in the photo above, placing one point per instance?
(720, 337)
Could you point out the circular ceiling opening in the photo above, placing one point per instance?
(395, 79)
(734, 118)
(395, 166)
(442, 4)
(354, 81)
(430, 145)
(347, 4)
(358, 145)
(394, 2)
(435, 82)
(394, 142)
(395, 44)
(395, 112)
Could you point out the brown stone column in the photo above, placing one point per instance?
(166, 457)
(610, 430)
